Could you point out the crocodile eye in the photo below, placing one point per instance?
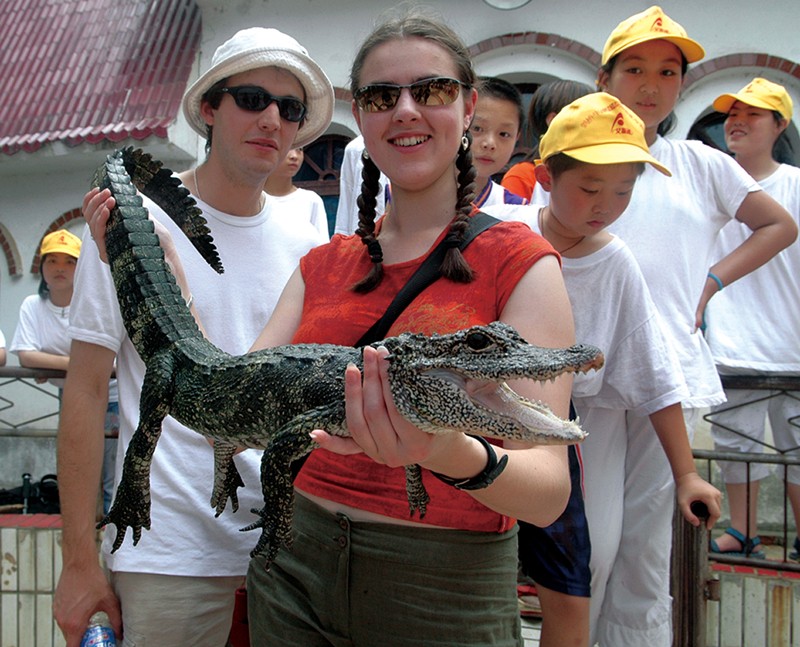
(478, 340)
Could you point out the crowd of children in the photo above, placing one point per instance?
(584, 220)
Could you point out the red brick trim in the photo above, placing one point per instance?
(742, 59)
(10, 252)
(342, 94)
(58, 223)
(538, 39)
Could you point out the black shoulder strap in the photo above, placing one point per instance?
(427, 273)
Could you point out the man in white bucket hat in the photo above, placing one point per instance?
(262, 96)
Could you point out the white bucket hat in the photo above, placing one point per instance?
(256, 47)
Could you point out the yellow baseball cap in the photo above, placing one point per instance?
(651, 24)
(61, 241)
(759, 93)
(598, 129)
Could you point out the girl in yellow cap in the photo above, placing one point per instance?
(671, 226)
(752, 327)
(41, 339)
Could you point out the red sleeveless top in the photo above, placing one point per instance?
(334, 314)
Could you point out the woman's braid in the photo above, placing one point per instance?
(367, 203)
(455, 266)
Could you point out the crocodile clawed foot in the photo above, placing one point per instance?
(127, 512)
(224, 490)
(418, 498)
(419, 504)
(274, 536)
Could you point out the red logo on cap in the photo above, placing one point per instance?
(658, 25)
(618, 127)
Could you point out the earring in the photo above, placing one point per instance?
(465, 142)
(364, 155)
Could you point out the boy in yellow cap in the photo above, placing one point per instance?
(591, 156)
(752, 325)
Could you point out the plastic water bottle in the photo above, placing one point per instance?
(99, 632)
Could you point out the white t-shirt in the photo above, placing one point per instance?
(42, 327)
(350, 189)
(613, 310)
(752, 324)
(302, 203)
(259, 254)
(493, 194)
(671, 226)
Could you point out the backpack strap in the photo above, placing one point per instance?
(427, 273)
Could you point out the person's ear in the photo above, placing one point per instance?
(469, 112)
(543, 176)
(602, 80)
(207, 113)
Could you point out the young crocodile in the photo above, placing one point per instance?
(273, 398)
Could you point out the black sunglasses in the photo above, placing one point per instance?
(255, 99)
(379, 97)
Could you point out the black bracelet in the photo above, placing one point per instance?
(487, 476)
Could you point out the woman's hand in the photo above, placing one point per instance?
(376, 427)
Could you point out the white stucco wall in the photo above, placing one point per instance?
(36, 188)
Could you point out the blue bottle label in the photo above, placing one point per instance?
(99, 637)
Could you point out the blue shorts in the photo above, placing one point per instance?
(557, 557)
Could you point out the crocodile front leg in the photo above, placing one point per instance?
(227, 479)
(131, 507)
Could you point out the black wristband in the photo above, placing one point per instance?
(487, 476)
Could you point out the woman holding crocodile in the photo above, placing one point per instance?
(362, 571)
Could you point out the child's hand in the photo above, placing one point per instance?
(690, 488)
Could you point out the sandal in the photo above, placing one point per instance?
(748, 546)
(795, 554)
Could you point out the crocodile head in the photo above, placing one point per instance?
(458, 381)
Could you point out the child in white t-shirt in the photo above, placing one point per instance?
(592, 155)
(290, 201)
(752, 324)
(41, 339)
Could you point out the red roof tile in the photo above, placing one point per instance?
(79, 71)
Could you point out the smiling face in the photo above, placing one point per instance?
(648, 79)
(253, 144)
(495, 130)
(751, 131)
(414, 145)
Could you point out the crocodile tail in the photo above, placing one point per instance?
(166, 190)
(150, 300)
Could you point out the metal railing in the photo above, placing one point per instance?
(28, 379)
(694, 584)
